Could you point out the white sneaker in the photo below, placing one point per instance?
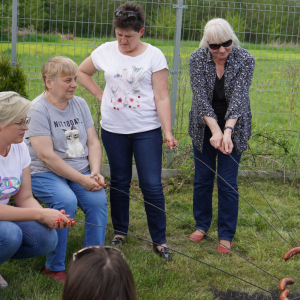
(3, 283)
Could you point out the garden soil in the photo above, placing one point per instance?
(233, 295)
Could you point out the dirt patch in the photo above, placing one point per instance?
(233, 295)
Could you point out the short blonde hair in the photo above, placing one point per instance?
(12, 107)
(58, 66)
(220, 31)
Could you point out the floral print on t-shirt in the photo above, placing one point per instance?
(125, 91)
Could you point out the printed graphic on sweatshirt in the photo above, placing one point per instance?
(9, 186)
(75, 148)
(125, 91)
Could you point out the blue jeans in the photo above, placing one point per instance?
(25, 239)
(203, 189)
(147, 150)
(59, 193)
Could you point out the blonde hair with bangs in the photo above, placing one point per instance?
(12, 108)
(220, 31)
(58, 66)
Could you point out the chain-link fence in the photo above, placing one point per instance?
(36, 30)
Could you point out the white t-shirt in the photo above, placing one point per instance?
(11, 168)
(128, 101)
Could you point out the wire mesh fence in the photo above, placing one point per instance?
(269, 30)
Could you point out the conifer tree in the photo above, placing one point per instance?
(12, 78)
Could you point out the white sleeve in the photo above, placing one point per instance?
(25, 157)
(159, 61)
(99, 56)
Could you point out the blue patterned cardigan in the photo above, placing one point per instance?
(239, 69)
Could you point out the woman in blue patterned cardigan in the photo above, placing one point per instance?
(220, 124)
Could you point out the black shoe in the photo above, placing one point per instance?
(117, 241)
(164, 253)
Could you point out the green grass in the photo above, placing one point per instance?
(184, 278)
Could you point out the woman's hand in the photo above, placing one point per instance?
(170, 141)
(227, 144)
(53, 218)
(217, 139)
(99, 177)
(89, 183)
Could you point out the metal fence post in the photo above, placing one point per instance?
(175, 70)
(14, 32)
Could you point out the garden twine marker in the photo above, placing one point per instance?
(249, 261)
(282, 282)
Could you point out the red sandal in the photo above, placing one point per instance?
(197, 237)
(223, 250)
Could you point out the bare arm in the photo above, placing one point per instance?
(163, 105)
(43, 147)
(28, 209)
(95, 155)
(85, 74)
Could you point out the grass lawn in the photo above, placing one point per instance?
(184, 278)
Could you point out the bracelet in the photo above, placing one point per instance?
(228, 127)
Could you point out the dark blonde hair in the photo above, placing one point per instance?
(123, 23)
(99, 274)
(58, 66)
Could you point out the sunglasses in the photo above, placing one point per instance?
(130, 15)
(81, 251)
(23, 123)
(218, 46)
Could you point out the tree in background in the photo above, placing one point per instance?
(12, 78)
(254, 21)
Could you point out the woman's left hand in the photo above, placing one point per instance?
(171, 142)
(98, 177)
(227, 144)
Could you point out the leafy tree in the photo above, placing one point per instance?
(5, 12)
(254, 21)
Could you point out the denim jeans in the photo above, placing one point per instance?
(147, 150)
(203, 189)
(59, 193)
(25, 239)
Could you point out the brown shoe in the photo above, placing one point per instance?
(3, 283)
(56, 275)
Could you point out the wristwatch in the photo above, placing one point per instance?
(228, 127)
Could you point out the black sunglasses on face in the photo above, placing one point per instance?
(218, 46)
(131, 15)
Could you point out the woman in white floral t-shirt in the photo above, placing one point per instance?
(135, 110)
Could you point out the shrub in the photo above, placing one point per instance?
(12, 78)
